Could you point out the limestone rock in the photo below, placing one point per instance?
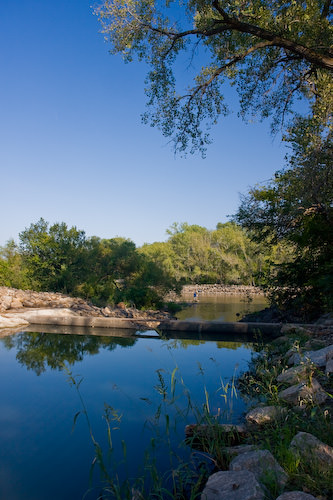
(329, 367)
(16, 303)
(294, 357)
(295, 374)
(303, 393)
(319, 357)
(229, 485)
(312, 450)
(265, 414)
(6, 302)
(15, 322)
(38, 313)
(329, 355)
(262, 464)
(296, 495)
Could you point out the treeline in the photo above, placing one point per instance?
(227, 255)
(61, 258)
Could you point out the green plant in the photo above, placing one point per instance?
(189, 462)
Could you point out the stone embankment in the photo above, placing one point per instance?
(218, 289)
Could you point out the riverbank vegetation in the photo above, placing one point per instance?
(63, 259)
(292, 266)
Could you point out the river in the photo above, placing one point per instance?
(57, 390)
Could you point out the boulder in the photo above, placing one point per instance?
(295, 374)
(229, 485)
(265, 414)
(294, 357)
(6, 302)
(310, 449)
(319, 357)
(262, 464)
(16, 304)
(304, 393)
(296, 495)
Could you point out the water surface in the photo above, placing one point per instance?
(43, 457)
(221, 307)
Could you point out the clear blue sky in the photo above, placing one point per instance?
(72, 146)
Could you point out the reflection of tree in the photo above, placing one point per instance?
(185, 343)
(37, 351)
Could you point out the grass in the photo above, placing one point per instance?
(189, 464)
(260, 383)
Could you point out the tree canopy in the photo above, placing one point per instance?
(274, 52)
(296, 206)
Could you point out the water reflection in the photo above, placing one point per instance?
(40, 451)
(38, 351)
(221, 307)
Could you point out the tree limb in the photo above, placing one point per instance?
(310, 55)
(326, 9)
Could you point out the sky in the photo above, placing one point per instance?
(73, 148)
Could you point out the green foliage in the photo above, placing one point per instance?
(193, 254)
(105, 271)
(53, 256)
(296, 208)
(12, 271)
(274, 53)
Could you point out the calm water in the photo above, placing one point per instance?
(43, 457)
(223, 308)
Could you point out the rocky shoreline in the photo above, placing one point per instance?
(296, 407)
(15, 300)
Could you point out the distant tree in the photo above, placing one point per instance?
(194, 254)
(12, 270)
(53, 256)
(275, 53)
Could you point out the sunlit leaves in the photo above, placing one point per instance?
(274, 52)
